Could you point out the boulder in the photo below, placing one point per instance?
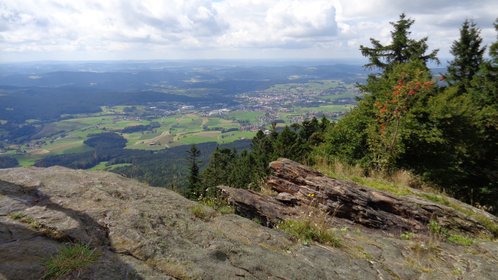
(286, 198)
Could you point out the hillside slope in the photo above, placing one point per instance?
(151, 233)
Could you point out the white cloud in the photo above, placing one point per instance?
(276, 23)
(439, 20)
(235, 28)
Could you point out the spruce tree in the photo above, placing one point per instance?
(289, 144)
(219, 168)
(402, 48)
(243, 174)
(483, 92)
(468, 54)
(493, 49)
(262, 151)
(194, 186)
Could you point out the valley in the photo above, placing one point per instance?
(157, 113)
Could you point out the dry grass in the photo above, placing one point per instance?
(219, 204)
(203, 212)
(342, 170)
(313, 226)
(266, 190)
(400, 182)
(170, 267)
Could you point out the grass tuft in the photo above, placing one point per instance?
(436, 198)
(69, 259)
(460, 240)
(219, 204)
(17, 216)
(407, 235)
(25, 219)
(306, 231)
(202, 212)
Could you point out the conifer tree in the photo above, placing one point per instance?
(243, 173)
(468, 54)
(401, 49)
(493, 49)
(219, 167)
(284, 144)
(194, 186)
(483, 92)
(262, 150)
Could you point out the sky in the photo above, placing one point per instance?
(32, 30)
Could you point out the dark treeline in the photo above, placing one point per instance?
(7, 162)
(163, 168)
(168, 167)
(247, 168)
(140, 127)
(17, 133)
(444, 129)
(48, 104)
(105, 147)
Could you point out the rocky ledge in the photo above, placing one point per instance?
(298, 188)
(142, 232)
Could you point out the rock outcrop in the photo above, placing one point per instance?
(299, 188)
(152, 233)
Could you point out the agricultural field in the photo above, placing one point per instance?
(67, 136)
(324, 109)
(249, 116)
(192, 129)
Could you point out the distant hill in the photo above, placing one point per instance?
(46, 91)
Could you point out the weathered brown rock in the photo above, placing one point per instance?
(250, 204)
(346, 200)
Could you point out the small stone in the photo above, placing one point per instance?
(286, 198)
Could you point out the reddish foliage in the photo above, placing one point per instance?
(400, 101)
